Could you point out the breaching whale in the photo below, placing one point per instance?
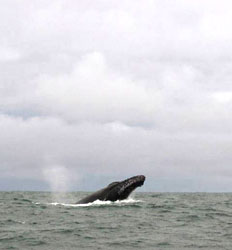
(118, 190)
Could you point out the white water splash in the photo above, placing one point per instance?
(98, 203)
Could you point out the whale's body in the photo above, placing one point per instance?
(118, 190)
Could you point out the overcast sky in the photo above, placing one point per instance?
(98, 91)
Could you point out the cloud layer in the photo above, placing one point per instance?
(104, 90)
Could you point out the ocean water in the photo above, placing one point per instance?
(40, 220)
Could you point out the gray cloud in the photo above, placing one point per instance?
(104, 90)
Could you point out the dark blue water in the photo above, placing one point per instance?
(38, 220)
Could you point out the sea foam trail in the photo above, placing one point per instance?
(97, 203)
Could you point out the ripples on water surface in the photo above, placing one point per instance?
(34, 220)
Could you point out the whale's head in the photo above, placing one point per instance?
(121, 190)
